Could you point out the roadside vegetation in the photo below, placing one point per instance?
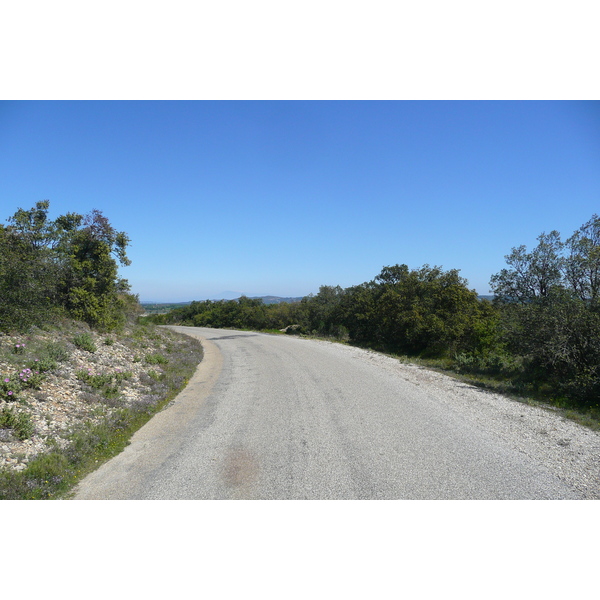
(78, 373)
(539, 338)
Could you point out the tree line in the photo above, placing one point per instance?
(541, 331)
(62, 267)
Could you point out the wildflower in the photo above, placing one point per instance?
(10, 393)
(7, 380)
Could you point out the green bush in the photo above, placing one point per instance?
(84, 341)
(10, 386)
(156, 376)
(19, 422)
(53, 351)
(107, 383)
(42, 365)
(156, 359)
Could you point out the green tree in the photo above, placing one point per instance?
(27, 283)
(533, 274)
(549, 312)
(582, 265)
(426, 310)
(66, 264)
(322, 310)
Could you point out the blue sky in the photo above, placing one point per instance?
(280, 197)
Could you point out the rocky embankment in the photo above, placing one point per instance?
(55, 381)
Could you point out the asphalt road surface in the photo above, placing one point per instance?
(279, 417)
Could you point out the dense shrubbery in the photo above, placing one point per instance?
(542, 332)
(68, 266)
(549, 302)
(428, 311)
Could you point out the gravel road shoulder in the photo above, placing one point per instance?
(568, 450)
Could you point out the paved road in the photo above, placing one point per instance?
(278, 417)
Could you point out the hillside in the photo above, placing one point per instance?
(71, 397)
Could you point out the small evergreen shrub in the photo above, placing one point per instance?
(19, 422)
(156, 359)
(84, 341)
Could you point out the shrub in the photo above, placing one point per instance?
(19, 422)
(156, 376)
(30, 379)
(42, 365)
(84, 341)
(156, 359)
(53, 351)
(107, 383)
(9, 388)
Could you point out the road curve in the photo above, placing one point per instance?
(279, 417)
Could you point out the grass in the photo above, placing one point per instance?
(54, 474)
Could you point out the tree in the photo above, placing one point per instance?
(66, 264)
(550, 317)
(91, 285)
(322, 310)
(32, 226)
(27, 283)
(582, 265)
(531, 275)
(426, 310)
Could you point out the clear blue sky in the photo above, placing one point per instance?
(280, 197)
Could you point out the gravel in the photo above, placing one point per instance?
(568, 450)
(64, 402)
